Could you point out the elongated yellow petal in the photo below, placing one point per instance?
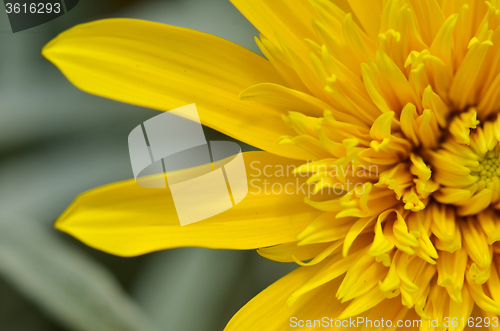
(286, 97)
(268, 310)
(368, 13)
(126, 219)
(287, 252)
(163, 67)
(391, 310)
(277, 18)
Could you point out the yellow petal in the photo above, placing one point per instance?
(268, 310)
(451, 271)
(332, 268)
(481, 299)
(163, 67)
(363, 303)
(475, 244)
(391, 310)
(466, 80)
(442, 44)
(126, 219)
(461, 310)
(288, 252)
(278, 18)
(368, 13)
(280, 62)
(286, 97)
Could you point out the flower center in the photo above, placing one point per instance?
(488, 169)
(467, 165)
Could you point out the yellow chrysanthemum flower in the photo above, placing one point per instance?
(408, 91)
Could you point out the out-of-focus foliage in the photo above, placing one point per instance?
(67, 284)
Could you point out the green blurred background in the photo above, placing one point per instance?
(56, 142)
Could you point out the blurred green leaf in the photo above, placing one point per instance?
(187, 288)
(65, 283)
